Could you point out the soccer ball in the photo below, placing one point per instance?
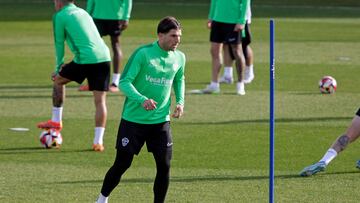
(327, 85)
(50, 138)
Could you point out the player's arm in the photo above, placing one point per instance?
(127, 4)
(212, 9)
(59, 39)
(130, 72)
(179, 89)
(243, 8)
(90, 6)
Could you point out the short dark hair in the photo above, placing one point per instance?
(168, 23)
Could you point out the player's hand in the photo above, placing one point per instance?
(149, 104)
(179, 110)
(239, 27)
(123, 24)
(53, 75)
(208, 25)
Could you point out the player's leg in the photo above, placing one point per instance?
(160, 144)
(249, 56)
(216, 40)
(340, 144)
(215, 51)
(351, 134)
(115, 27)
(100, 119)
(69, 72)
(162, 178)
(228, 63)
(98, 78)
(130, 139)
(112, 178)
(240, 66)
(215, 60)
(117, 58)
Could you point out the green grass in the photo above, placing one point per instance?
(221, 150)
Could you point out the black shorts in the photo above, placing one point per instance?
(358, 112)
(97, 74)
(108, 27)
(247, 39)
(224, 33)
(132, 136)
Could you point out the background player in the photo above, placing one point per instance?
(111, 17)
(91, 62)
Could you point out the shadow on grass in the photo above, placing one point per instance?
(23, 87)
(279, 120)
(49, 96)
(34, 150)
(208, 178)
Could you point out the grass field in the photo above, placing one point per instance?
(221, 150)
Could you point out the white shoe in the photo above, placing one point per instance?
(240, 88)
(248, 76)
(211, 90)
(227, 80)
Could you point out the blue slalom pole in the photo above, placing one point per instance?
(272, 112)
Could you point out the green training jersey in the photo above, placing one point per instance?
(75, 26)
(228, 11)
(150, 73)
(109, 9)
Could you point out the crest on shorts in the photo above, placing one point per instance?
(124, 141)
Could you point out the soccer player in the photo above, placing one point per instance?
(148, 77)
(248, 53)
(91, 61)
(226, 21)
(111, 17)
(351, 134)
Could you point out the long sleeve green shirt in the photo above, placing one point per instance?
(109, 9)
(150, 73)
(228, 11)
(75, 26)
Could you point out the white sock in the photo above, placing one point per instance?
(57, 114)
(329, 156)
(99, 134)
(251, 69)
(214, 84)
(116, 79)
(102, 199)
(228, 72)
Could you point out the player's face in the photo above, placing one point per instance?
(169, 41)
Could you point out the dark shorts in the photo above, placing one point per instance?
(97, 74)
(247, 39)
(358, 112)
(224, 33)
(132, 136)
(108, 27)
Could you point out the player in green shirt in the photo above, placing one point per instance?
(91, 61)
(226, 21)
(147, 80)
(248, 53)
(111, 17)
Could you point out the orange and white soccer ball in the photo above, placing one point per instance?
(327, 85)
(50, 138)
